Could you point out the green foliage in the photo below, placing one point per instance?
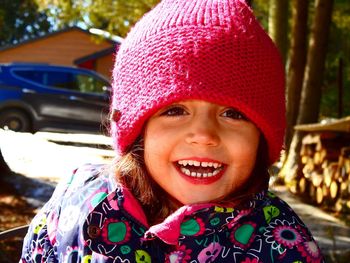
(63, 13)
(261, 11)
(117, 16)
(21, 20)
(339, 47)
(113, 16)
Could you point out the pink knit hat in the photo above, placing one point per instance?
(212, 50)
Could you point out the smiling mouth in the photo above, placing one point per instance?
(197, 169)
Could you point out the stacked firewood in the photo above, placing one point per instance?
(323, 175)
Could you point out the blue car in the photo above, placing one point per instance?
(37, 97)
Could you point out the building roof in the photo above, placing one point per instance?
(114, 40)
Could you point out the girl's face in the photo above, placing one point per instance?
(199, 151)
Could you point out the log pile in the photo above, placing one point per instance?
(323, 175)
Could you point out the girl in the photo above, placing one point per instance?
(197, 116)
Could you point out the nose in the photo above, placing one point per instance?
(203, 130)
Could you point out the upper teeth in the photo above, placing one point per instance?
(197, 163)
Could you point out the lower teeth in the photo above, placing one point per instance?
(199, 175)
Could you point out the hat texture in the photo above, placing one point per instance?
(212, 50)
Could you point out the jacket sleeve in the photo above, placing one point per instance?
(38, 244)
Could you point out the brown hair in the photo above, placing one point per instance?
(132, 173)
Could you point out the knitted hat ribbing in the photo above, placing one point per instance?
(213, 50)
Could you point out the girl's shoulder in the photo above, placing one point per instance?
(271, 206)
(88, 176)
(58, 223)
(83, 188)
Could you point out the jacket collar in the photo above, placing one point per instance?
(170, 229)
(121, 211)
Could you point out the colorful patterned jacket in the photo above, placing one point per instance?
(90, 218)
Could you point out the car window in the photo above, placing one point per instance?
(87, 83)
(57, 79)
(64, 80)
(35, 76)
(60, 79)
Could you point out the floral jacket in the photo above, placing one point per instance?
(91, 218)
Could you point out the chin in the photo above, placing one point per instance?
(192, 201)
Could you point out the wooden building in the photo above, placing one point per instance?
(70, 47)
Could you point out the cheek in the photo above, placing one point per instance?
(151, 163)
(252, 139)
(154, 145)
(151, 133)
(244, 149)
(155, 150)
(149, 146)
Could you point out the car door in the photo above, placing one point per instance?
(82, 101)
(59, 101)
(91, 96)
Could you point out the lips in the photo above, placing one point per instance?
(200, 171)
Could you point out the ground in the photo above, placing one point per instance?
(37, 162)
(15, 212)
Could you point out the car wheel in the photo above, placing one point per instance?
(15, 120)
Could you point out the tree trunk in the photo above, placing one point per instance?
(297, 63)
(311, 92)
(278, 25)
(313, 78)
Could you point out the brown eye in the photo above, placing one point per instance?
(174, 111)
(233, 114)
